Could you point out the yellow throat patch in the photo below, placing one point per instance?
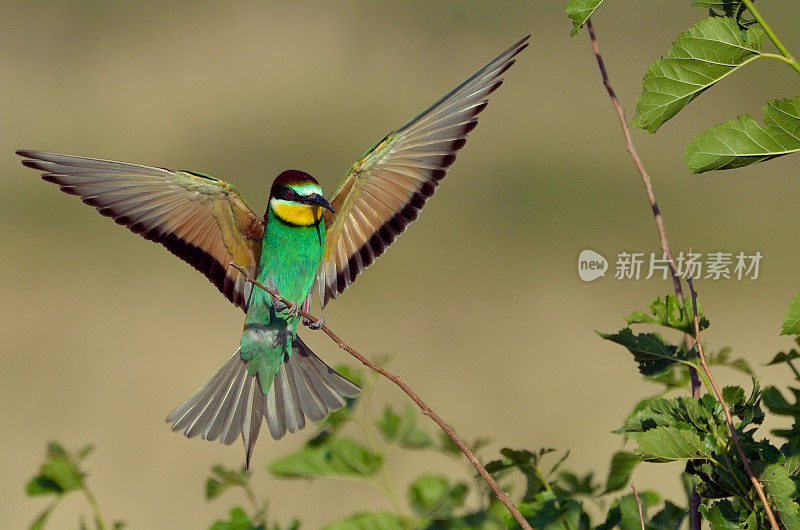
(296, 214)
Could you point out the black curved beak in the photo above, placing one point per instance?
(315, 199)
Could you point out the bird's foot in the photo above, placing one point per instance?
(291, 310)
(319, 324)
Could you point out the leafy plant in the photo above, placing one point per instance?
(60, 475)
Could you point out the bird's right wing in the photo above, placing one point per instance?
(202, 220)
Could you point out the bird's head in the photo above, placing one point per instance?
(296, 198)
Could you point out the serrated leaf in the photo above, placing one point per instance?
(709, 51)
(433, 497)
(664, 444)
(620, 471)
(238, 520)
(780, 487)
(368, 521)
(402, 430)
(339, 457)
(670, 313)
(580, 11)
(740, 142)
(648, 349)
(791, 319)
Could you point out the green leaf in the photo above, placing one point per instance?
(670, 516)
(784, 357)
(576, 485)
(743, 141)
(619, 474)
(222, 478)
(338, 457)
(791, 319)
(648, 349)
(433, 497)
(239, 520)
(56, 450)
(546, 511)
(709, 51)
(670, 313)
(665, 444)
(728, 7)
(403, 430)
(777, 404)
(83, 452)
(723, 358)
(447, 446)
(559, 463)
(41, 485)
(721, 516)
(580, 11)
(368, 521)
(353, 374)
(702, 414)
(780, 487)
(41, 519)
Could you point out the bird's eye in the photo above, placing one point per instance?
(291, 194)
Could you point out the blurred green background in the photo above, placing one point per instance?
(479, 303)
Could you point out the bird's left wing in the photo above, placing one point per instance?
(383, 192)
(202, 220)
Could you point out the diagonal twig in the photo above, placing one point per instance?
(638, 504)
(728, 417)
(426, 410)
(694, 501)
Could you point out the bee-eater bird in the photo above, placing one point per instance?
(302, 241)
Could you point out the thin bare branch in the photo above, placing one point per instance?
(694, 501)
(426, 410)
(727, 410)
(648, 186)
(639, 504)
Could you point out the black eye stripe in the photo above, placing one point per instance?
(286, 193)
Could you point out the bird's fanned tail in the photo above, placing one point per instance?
(232, 403)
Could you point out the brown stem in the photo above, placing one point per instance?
(426, 410)
(727, 410)
(639, 504)
(694, 501)
(648, 186)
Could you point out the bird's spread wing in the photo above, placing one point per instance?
(202, 220)
(383, 192)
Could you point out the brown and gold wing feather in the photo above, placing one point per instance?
(202, 220)
(384, 192)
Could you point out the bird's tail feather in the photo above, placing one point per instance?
(232, 403)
